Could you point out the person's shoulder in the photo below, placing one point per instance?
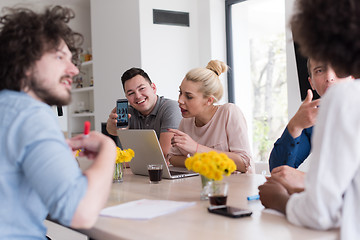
(351, 86)
(165, 100)
(342, 92)
(30, 116)
(168, 103)
(229, 107)
(341, 100)
(22, 102)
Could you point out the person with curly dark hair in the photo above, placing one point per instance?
(39, 175)
(328, 31)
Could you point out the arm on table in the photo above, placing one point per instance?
(165, 142)
(273, 195)
(187, 144)
(178, 160)
(293, 180)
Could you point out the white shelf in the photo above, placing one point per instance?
(82, 98)
(86, 114)
(83, 89)
(87, 63)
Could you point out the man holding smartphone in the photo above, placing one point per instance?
(147, 109)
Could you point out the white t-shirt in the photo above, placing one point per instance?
(332, 195)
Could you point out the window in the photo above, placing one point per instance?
(257, 77)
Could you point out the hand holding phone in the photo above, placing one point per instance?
(230, 211)
(122, 112)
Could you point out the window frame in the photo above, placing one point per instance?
(229, 48)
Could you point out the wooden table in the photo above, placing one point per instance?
(195, 222)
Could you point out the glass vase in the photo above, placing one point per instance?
(118, 172)
(204, 195)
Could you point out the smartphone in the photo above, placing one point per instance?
(230, 211)
(122, 112)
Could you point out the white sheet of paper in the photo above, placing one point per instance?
(144, 209)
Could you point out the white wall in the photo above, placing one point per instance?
(124, 36)
(116, 48)
(217, 28)
(294, 99)
(168, 52)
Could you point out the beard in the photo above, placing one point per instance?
(47, 94)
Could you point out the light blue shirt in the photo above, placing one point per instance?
(38, 173)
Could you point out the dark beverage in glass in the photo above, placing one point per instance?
(155, 172)
(218, 200)
(155, 175)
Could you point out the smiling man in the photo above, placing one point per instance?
(147, 110)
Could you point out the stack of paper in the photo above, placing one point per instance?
(144, 209)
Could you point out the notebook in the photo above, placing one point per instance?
(147, 150)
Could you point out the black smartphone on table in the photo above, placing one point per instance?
(122, 108)
(230, 211)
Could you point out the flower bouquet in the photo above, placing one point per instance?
(122, 156)
(212, 166)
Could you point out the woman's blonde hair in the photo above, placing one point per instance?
(209, 78)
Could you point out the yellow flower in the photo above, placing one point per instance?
(218, 175)
(212, 165)
(196, 166)
(204, 169)
(77, 152)
(124, 155)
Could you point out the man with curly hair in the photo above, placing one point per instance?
(39, 175)
(327, 30)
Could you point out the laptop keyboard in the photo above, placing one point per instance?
(176, 173)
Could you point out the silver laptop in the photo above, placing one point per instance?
(147, 150)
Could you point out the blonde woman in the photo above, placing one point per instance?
(205, 126)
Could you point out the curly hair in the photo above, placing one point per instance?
(329, 31)
(25, 36)
(209, 78)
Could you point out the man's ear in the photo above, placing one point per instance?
(153, 86)
(28, 72)
(310, 81)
